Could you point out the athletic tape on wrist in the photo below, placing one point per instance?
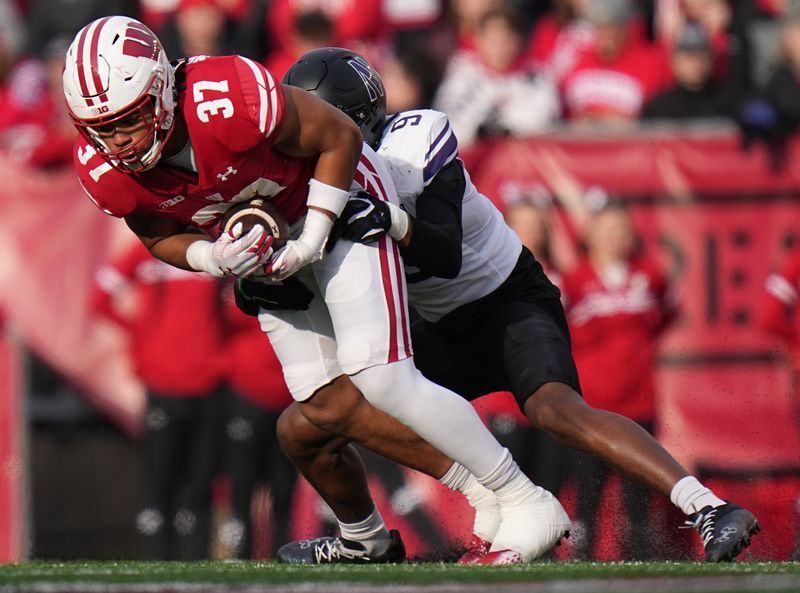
(316, 229)
(324, 196)
(400, 222)
(198, 256)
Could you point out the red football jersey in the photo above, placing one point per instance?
(233, 109)
(615, 335)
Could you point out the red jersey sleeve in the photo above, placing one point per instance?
(106, 187)
(235, 99)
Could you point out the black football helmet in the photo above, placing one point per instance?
(347, 81)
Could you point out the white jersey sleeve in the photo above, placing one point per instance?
(417, 145)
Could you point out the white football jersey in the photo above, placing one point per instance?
(417, 145)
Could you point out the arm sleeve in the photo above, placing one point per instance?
(435, 246)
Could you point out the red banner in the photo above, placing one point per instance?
(53, 241)
(721, 218)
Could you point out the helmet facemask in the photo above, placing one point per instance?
(144, 152)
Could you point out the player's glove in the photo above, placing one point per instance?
(252, 296)
(366, 219)
(232, 254)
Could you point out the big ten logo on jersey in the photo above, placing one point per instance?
(261, 187)
(402, 122)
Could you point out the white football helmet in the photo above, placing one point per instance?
(116, 70)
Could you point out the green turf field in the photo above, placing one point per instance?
(560, 577)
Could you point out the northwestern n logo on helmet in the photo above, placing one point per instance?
(373, 84)
(140, 42)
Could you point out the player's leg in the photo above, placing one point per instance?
(364, 289)
(304, 443)
(544, 380)
(306, 348)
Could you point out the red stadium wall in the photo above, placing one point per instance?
(718, 216)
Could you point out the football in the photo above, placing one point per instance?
(257, 211)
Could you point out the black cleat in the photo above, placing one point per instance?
(336, 550)
(725, 530)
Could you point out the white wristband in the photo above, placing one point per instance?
(316, 228)
(324, 196)
(198, 256)
(400, 222)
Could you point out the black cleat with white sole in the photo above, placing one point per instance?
(725, 530)
(336, 550)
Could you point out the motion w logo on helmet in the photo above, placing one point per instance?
(373, 84)
(140, 42)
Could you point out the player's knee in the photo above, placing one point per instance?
(298, 437)
(554, 407)
(334, 407)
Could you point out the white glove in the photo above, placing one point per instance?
(232, 254)
(287, 260)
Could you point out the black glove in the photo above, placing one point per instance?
(251, 296)
(365, 218)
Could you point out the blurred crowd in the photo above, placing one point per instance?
(496, 68)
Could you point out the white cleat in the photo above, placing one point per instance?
(533, 526)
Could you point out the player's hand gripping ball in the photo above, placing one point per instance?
(258, 211)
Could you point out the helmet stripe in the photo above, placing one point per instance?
(98, 83)
(79, 61)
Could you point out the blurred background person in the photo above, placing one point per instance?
(311, 29)
(253, 457)
(198, 28)
(618, 303)
(357, 25)
(697, 92)
(35, 128)
(173, 318)
(560, 37)
(610, 82)
(777, 315)
(410, 76)
(494, 90)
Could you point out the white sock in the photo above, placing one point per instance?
(482, 500)
(690, 496)
(371, 533)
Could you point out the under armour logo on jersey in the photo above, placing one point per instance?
(373, 84)
(224, 176)
(140, 42)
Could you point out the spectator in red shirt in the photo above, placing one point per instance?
(258, 396)
(560, 37)
(618, 303)
(311, 30)
(357, 24)
(610, 82)
(777, 314)
(173, 319)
